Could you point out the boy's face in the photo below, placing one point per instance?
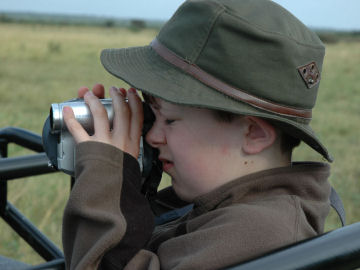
(197, 151)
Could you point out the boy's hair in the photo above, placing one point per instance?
(148, 98)
(287, 143)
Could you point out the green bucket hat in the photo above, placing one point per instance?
(249, 57)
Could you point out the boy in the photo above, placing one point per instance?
(232, 85)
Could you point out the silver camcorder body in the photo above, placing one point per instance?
(56, 132)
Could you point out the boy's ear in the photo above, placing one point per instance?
(258, 136)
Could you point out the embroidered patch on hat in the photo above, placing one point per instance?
(310, 74)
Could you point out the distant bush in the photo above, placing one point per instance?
(54, 47)
(4, 18)
(355, 33)
(137, 25)
(329, 37)
(109, 23)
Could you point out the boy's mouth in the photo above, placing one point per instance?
(167, 164)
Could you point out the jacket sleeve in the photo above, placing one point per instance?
(107, 221)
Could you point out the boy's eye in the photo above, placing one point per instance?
(169, 121)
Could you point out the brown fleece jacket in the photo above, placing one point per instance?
(108, 224)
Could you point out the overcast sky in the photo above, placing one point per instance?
(332, 14)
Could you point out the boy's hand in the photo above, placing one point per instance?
(127, 123)
(98, 90)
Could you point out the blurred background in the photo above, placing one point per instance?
(48, 49)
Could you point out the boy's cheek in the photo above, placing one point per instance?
(224, 150)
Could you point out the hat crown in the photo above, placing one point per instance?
(253, 45)
(249, 57)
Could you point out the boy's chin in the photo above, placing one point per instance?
(181, 194)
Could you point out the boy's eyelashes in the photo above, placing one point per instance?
(169, 121)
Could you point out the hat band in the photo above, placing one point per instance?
(224, 88)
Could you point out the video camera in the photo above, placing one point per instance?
(59, 144)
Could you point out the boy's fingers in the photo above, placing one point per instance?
(137, 115)
(121, 114)
(99, 90)
(76, 130)
(100, 117)
(82, 91)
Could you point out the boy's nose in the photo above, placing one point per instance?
(155, 136)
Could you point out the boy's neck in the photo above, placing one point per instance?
(267, 160)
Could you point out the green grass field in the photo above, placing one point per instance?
(40, 65)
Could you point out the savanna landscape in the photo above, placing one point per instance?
(42, 64)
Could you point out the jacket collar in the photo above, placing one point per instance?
(305, 179)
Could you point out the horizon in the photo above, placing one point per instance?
(119, 19)
(324, 14)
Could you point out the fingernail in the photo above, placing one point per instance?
(88, 93)
(66, 110)
(122, 91)
(132, 90)
(114, 89)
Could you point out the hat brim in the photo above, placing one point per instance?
(145, 70)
